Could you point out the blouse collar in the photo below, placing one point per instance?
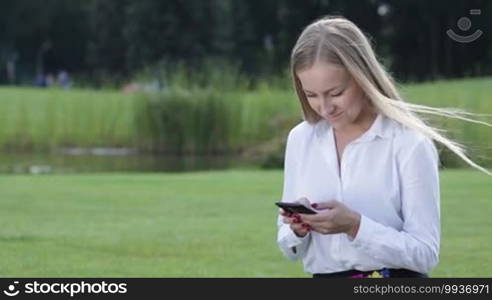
(381, 127)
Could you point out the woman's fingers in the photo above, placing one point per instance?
(300, 229)
(304, 201)
(319, 218)
(295, 220)
(284, 213)
(291, 220)
(287, 220)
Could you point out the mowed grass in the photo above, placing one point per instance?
(203, 224)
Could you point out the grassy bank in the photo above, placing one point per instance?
(39, 119)
(473, 95)
(205, 224)
(204, 120)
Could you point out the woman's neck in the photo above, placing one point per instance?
(356, 129)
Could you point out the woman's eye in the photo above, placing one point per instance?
(310, 96)
(338, 94)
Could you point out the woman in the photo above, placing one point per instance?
(363, 159)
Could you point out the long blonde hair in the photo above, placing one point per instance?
(336, 40)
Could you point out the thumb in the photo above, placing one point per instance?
(304, 201)
(324, 205)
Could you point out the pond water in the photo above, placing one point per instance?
(111, 160)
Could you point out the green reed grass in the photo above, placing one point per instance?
(206, 119)
(472, 95)
(37, 119)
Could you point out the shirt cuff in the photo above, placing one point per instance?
(364, 234)
(292, 240)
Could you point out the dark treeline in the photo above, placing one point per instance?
(98, 39)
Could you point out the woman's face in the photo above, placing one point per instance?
(333, 94)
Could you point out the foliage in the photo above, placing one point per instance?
(95, 39)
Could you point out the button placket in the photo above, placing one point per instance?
(343, 168)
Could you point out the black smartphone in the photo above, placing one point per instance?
(295, 208)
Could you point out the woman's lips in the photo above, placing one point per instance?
(333, 117)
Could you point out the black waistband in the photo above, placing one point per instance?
(385, 272)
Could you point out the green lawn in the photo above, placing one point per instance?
(203, 224)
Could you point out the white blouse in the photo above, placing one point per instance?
(389, 175)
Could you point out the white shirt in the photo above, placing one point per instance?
(389, 175)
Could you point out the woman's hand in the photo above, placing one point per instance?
(333, 217)
(299, 228)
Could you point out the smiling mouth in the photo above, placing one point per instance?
(335, 116)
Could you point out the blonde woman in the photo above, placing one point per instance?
(363, 160)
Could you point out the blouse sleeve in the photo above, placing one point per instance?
(416, 246)
(292, 246)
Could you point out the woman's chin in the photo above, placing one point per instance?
(335, 122)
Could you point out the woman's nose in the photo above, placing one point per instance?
(327, 109)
